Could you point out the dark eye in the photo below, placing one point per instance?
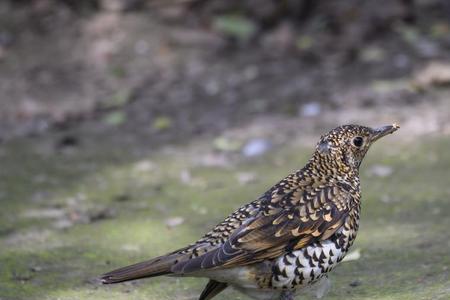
(358, 141)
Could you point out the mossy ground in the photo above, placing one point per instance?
(69, 215)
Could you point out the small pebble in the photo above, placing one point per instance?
(380, 171)
(355, 283)
(311, 109)
(256, 147)
(246, 177)
(174, 221)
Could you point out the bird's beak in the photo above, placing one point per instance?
(383, 131)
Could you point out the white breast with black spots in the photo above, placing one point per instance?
(306, 266)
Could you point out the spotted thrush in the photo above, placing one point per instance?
(287, 239)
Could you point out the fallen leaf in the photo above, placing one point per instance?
(118, 100)
(235, 25)
(144, 166)
(226, 144)
(435, 73)
(115, 118)
(162, 123)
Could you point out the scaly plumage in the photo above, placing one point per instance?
(288, 238)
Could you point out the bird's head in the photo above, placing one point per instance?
(348, 144)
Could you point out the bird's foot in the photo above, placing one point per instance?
(287, 295)
(322, 287)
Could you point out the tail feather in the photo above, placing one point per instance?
(212, 289)
(155, 267)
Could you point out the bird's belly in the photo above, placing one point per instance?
(245, 277)
(306, 266)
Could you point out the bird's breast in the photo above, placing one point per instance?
(305, 266)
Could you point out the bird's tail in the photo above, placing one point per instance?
(151, 268)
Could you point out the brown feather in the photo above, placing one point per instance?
(212, 289)
(270, 233)
(155, 267)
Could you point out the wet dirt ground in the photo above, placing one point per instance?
(125, 135)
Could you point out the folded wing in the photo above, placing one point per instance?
(286, 220)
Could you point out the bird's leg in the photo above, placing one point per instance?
(322, 287)
(287, 295)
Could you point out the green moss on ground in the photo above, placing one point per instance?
(68, 216)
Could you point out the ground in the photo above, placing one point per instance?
(127, 135)
(63, 226)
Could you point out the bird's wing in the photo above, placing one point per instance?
(289, 217)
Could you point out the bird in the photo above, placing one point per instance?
(289, 238)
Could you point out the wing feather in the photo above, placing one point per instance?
(282, 221)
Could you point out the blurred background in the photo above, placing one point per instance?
(192, 67)
(129, 127)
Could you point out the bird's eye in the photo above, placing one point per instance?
(358, 141)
